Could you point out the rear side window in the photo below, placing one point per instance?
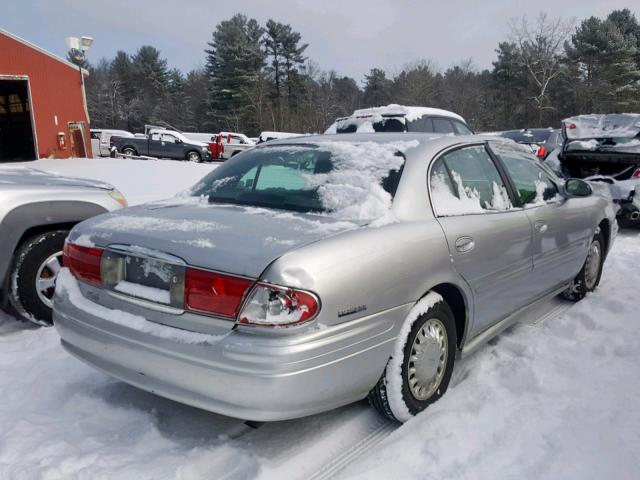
(442, 125)
(422, 124)
(466, 181)
(461, 128)
(533, 185)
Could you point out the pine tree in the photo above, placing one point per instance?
(234, 64)
(377, 88)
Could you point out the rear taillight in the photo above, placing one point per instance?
(83, 262)
(570, 126)
(275, 306)
(542, 152)
(214, 293)
(636, 174)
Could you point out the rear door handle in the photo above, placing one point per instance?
(540, 227)
(464, 244)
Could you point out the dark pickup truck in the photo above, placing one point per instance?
(162, 144)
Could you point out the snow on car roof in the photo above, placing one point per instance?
(410, 113)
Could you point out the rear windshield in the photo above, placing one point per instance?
(350, 179)
(527, 136)
(370, 124)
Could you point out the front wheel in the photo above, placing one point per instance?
(420, 371)
(589, 276)
(194, 157)
(33, 276)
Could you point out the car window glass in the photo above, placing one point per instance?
(466, 181)
(533, 185)
(155, 136)
(95, 135)
(442, 125)
(422, 124)
(168, 138)
(461, 128)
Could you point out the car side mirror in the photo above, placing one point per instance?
(577, 188)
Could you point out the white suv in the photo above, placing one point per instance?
(399, 118)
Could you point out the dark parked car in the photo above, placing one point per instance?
(162, 144)
(532, 137)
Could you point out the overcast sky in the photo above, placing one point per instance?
(349, 36)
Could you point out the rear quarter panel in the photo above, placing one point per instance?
(376, 267)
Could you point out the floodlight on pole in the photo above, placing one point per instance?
(78, 48)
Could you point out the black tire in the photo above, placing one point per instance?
(28, 258)
(194, 154)
(581, 284)
(379, 396)
(128, 151)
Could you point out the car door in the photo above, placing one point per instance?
(155, 148)
(490, 242)
(172, 147)
(562, 227)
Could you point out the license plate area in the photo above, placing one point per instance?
(143, 278)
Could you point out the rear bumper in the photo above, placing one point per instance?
(242, 374)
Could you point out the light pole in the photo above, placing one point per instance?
(78, 48)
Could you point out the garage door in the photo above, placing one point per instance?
(16, 128)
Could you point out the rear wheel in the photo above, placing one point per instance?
(128, 151)
(589, 276)
(412, 383)
(33, 276)
(194, 157)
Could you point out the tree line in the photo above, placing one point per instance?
(257, 77)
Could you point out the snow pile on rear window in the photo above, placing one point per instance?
(352, 189)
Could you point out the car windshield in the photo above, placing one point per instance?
(350, 179)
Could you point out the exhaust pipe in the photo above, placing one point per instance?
(635, 215)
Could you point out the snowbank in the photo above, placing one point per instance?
(140, 181)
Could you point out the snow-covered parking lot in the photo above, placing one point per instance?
(555, 397)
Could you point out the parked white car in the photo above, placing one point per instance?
(400, 118)
(101, 138)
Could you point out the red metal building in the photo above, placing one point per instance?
(43, 110)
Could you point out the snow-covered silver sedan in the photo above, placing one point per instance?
(313, 272)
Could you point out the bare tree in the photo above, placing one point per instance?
(540, 49)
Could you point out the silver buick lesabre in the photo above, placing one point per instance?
(313, 272)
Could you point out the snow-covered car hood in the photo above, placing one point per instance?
(228, 238)
(25, 176)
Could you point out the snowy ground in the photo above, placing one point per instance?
(556, 397)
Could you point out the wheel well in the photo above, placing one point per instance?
(30, 232)
(129, 147)
(454, 298)
(605, 228)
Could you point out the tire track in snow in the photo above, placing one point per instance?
(348, 456)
